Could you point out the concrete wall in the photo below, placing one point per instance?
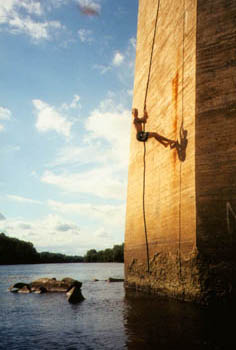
(185, 193)
(215, 151)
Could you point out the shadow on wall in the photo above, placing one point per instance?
(182, 145)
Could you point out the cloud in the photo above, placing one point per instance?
(74, 103)
(2, 217)
(89, 7)
(110, 215)
(52, 233)
(65, 227)
(100, 182)
(84, 154)
(85, 35)
(118, 59)
(48, 119)
(111, 123)
(133, 42)
(102, 68)
(21, 199)
(18, 17)
(56, 234)
(123, 62)
(5, 114)
(25, 226)
(104, 150)
(37, 30)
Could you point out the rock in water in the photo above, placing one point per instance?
(74, 295)
(52, 285)
(110, 279)
(71, 287)
(25, 290)
(19, 286)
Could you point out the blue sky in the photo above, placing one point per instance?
(65, 100)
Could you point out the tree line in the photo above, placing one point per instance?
(16, 251)
(115, 254)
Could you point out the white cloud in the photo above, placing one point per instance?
(37, 30)
(74, 103)
(109, 215)
(133, 42)
(18, 17)
(48, 119)
(87, 153)
(123, 62)
(2, 217)
(105, 152)
(52, 233)
(102, 68)
(85, 35)
(100, 182)
(57, 234)
(112, 124)
(118, 59)
(21, 199)
(33, 7)
(5, 114)
(89, 7)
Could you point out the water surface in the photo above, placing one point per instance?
(106, 319)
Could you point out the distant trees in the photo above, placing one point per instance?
(116, 254)
(47, 258)
(16, 251)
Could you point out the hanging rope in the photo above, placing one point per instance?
(144, 144)
(180, 169)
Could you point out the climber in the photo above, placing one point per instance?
(143, 136)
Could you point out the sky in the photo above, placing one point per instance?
(67, 70)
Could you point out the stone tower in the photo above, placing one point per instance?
(180, 236)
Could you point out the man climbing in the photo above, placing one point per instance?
(143, 136)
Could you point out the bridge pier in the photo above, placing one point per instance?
(180, 238)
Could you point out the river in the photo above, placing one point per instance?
(106, 319)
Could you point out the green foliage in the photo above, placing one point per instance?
(16, 251)
(47, 258)
(116, 254)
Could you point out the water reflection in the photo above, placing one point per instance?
(153, 323)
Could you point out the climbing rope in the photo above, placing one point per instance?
(180, 167)
(144, 144)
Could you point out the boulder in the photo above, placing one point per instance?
(74, 295)
(18, 286)
(52, 285)
(40, 290)
(110, 279)
(25, 290)
(68, 285)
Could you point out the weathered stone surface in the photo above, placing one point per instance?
(74, 295)
(24, 290)
(18, 286)
(188, 195)
(52, 285)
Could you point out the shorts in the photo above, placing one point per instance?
(142, 136)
